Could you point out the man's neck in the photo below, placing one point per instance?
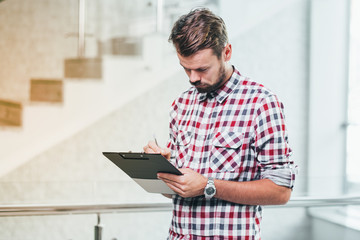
(229, 71)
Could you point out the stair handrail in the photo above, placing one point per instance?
(91, 208)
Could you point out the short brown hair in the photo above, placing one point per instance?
(199, 29)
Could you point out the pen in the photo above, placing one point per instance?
(155, 140)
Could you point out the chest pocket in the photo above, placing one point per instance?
(225, 153)
(183, 140)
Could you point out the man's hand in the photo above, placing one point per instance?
(152, 147)
(190, 184)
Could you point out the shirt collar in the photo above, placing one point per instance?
(223, 92)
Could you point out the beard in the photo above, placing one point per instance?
(207, 88)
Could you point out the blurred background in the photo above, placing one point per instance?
(80, 77)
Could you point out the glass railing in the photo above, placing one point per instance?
(122, 210)
(299, 219)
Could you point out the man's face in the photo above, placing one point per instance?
(205, 70)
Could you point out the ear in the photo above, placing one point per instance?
(227, 52)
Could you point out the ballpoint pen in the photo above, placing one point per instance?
(155, 140)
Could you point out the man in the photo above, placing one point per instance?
(227, 136)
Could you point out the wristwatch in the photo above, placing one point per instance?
(210, 188)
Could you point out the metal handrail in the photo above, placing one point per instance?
(62, 209)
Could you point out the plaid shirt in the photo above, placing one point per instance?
(236, 133)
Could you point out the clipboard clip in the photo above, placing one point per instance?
(134, 156)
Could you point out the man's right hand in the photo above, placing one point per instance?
(152, 147)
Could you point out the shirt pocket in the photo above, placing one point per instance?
(225, 154)
(182, 143)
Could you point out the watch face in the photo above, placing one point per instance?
(210, 191)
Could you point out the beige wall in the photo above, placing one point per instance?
(33, 43)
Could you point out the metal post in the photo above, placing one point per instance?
(81, 39)
(159, 15)
(98, 228)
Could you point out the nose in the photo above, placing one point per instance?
(194, 77)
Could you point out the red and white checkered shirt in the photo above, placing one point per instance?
(236, 133)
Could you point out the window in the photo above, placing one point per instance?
(353, 130)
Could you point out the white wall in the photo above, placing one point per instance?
(328, 96)
(270, 45)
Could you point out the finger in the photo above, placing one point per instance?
(174, 180)
(174, 186)
(166, 153)
(186, 170)
(179, 189)
(169, 177)
(152, 145)
(148, 149)
(171, 181)
(151, 148)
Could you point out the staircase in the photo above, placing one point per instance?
(84, 102)
(87, 88)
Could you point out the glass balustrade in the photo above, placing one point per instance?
(122, 210)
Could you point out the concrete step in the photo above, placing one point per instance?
(85, 101)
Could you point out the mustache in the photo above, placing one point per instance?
(197, 83)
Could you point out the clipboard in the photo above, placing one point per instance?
(143, 169)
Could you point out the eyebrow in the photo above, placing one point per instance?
(200, 69)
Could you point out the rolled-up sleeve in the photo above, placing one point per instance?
(271, 143)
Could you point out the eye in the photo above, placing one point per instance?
(186, 69)
(202, 70)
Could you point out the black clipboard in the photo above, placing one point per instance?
(143, 169)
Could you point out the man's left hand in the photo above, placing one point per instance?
(190, 184)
